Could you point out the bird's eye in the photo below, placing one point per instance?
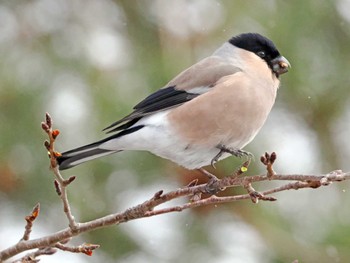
(261, 54)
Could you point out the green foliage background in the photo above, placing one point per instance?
(88, 62)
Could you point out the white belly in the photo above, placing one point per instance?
(158, 137)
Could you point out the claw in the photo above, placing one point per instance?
(211, 187)
(216, 158)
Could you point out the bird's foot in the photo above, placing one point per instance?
(212, 185)
(235, 152)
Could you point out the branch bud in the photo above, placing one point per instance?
(55, 133)
(34, 214)
(273, 157)
(45, 127)
(57, 187)
(47, 145)
(48, 120)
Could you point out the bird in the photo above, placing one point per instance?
(208, 112)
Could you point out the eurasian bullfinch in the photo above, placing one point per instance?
(205, 114)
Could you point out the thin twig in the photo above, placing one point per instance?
(63, 195)
(60, 183)
(84, 248)
(30, 220)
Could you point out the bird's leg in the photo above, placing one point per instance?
(210, 176)
(216, 158)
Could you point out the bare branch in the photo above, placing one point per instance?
(84, 248)
(32, 257)
(193, 191)
(146, 209)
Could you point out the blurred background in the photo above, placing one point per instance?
(87, 62)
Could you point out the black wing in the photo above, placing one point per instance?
(208, 71)
(160, 100)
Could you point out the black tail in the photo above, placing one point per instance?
(91, 151)
(81, 155)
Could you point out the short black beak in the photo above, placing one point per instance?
(280, 65)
